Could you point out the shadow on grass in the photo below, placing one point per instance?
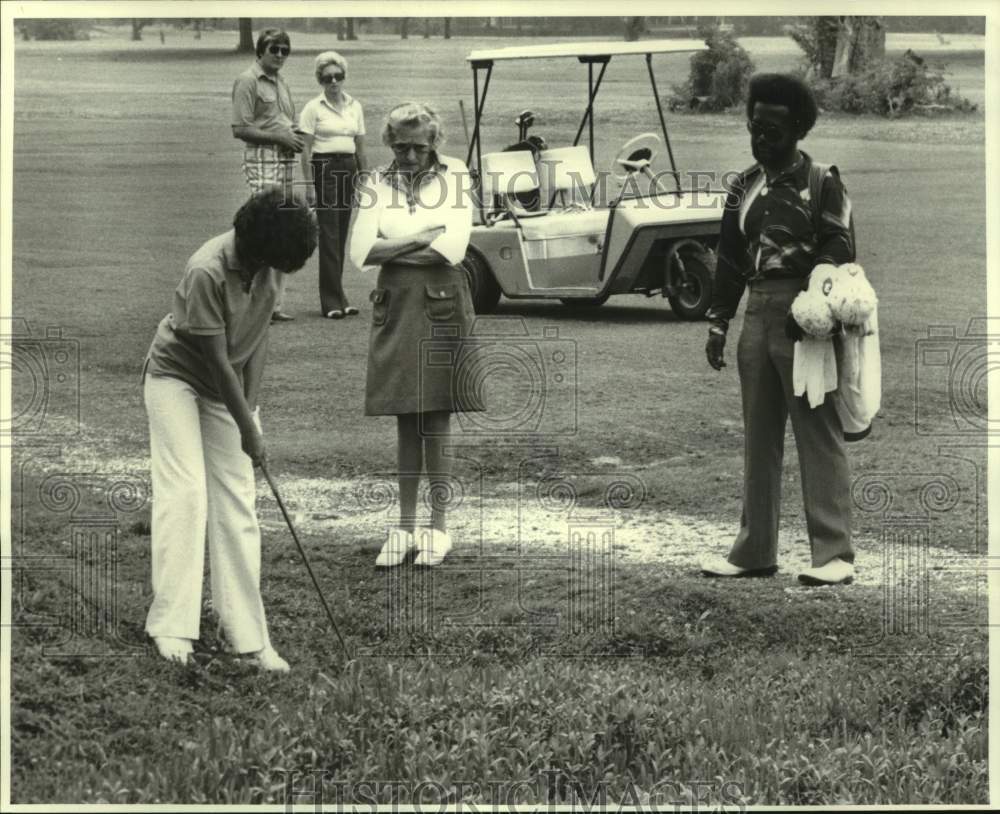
(653, 311)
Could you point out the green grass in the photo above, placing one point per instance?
(123, 165)
(763, 685)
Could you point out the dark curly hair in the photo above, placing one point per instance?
(790, 91)
(275, 230)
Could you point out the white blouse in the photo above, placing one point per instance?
(332, 131)
(443, 199)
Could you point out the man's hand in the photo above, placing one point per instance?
(793, 330)
(714, 350)
(290, 140)
(253, 445)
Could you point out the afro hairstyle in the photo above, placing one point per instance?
(790, 91)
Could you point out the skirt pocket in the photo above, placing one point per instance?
(380, 305)
(440, 301)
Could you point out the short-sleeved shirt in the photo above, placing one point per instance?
(333, 131)
(263, 101)
(211, 299)
(388, 208)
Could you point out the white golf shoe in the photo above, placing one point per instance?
(835, 572)
(433, 545)
(268, 659)
(173, 648)
(398, 544)
(721, 567)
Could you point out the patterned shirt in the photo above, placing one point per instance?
(769, 231)
(388, 207)
(262, 100)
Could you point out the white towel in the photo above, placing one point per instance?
(814, 368)
(859, 394)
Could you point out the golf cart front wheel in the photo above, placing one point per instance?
(483, 287)
(690, 271)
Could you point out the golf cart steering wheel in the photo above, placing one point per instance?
(637, 154)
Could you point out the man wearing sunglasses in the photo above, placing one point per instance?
(772, 236)
(264, 119)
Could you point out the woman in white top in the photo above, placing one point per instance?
(415, 220)
(333, 128)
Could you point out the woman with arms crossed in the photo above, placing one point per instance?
(201, 380)
(415, 220)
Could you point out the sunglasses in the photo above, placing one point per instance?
(404, 149)
(279, 50)
(770, 133)
(327, 78)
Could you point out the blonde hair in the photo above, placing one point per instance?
(328, 58)
(413, 114)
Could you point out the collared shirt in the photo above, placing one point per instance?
(769, 231)
(263, 101)
(333, 130)
(213, 298)
(389, 208)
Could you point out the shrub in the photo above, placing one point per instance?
(897, 87)
(52, 30)
(718, 77)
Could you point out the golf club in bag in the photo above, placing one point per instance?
(305, 559)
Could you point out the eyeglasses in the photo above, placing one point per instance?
(770, 133)
(279, 50)
(404, 149)
(327, 78)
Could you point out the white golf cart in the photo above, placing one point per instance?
(540, 232)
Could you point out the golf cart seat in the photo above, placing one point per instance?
(507, 175)
(570, 173)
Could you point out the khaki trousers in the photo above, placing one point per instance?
(203, 483)
(764, 356)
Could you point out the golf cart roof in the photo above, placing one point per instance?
(587, 49)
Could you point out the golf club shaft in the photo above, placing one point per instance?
(305, 559)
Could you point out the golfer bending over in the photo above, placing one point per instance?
(201, 380)
(415, 220)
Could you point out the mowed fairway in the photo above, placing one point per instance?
(124, 164)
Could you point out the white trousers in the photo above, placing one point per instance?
(202, 482)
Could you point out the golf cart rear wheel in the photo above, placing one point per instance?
(483, 287)
(690, 271)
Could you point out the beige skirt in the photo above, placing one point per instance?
(421, 319)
